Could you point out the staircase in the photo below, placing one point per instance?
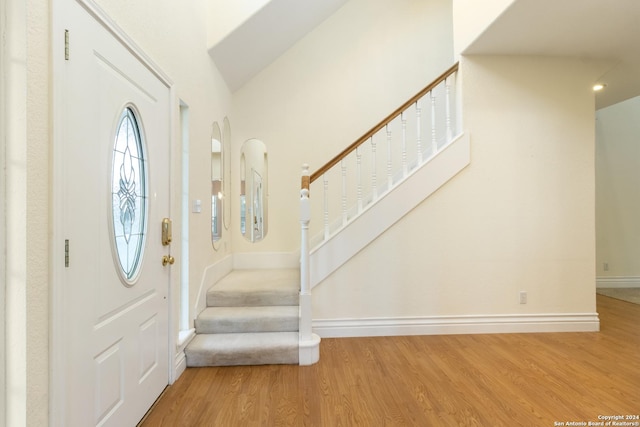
(252, 318)
(256, 317)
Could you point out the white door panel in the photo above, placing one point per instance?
(117, 332)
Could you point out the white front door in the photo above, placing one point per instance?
(114, 156)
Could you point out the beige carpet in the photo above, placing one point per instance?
(625, 294)
(251, 319)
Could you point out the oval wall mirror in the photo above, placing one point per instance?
(226, 171)
(253, 190)
(217, 194)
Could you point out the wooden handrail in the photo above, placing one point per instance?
(383, 123)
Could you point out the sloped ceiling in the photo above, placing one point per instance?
(266, 35)
(590, 29)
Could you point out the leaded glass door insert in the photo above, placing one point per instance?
(129, 196)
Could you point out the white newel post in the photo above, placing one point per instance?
(309, 352)
(305, 292)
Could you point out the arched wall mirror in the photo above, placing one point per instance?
(253, 190)
(226, 171)
(217, 190)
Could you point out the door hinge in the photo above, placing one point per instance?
(66, 45)
(66, 253)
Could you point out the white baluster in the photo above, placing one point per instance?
(434, 141)
(374, 175)
(325, 180)
(405, 168)
(359, 172)
(419, 130)
(448, 109)
(344, 191)
(389, 174)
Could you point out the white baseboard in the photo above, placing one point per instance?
(446, 325)
(265, 260)
(180, 364)
(210, 276)
(184, 338)
(241, 261)
(618, 282)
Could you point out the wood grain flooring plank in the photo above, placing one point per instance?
(533, 379)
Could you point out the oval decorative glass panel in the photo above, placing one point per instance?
(129, 196)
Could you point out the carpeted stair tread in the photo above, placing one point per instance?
(251, 319)
(221, 320)
(263, 348)
(256, 288)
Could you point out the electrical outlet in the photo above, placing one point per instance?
(523, 297)
(605, 266)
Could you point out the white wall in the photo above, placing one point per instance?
(520, 217)
(226, 15)
(617, 194)
(27, 151)
(471, 19)
(329, 89)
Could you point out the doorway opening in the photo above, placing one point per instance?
(184, 263)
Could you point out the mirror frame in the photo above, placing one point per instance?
(254, 193)
(226, 176)
(217, 185)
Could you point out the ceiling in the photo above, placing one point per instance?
(266, 35)
(589, 29)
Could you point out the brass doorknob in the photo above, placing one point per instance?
(167, 259)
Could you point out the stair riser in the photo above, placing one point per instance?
(284, 357)
(255, 299)
(243, 349)
(225, 326)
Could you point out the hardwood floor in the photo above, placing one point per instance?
(452, 380)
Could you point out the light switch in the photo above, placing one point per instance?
(197, 206)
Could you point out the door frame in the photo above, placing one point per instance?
(57, 383)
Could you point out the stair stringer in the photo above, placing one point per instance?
(389, 208)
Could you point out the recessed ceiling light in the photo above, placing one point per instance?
(598, 87)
